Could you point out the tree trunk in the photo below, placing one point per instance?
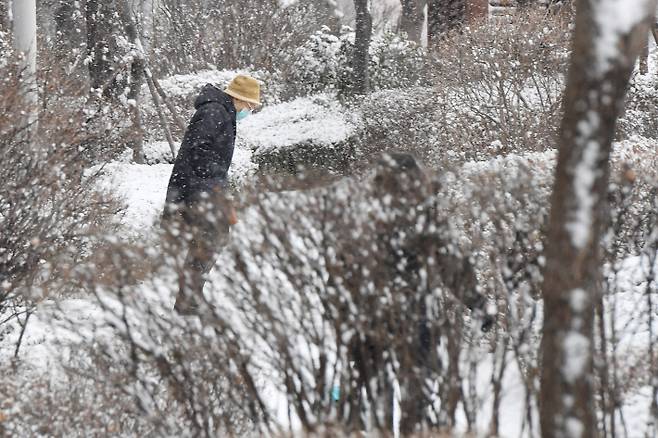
(66, 25)
(101, 27)
(4, 16)
(24, 13)
(602, 60)
(442, 17)
(413, 18)
(361, 46)
(477, 11)
(136, 143)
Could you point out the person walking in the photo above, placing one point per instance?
(198, 210)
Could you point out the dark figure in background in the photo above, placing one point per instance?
(197, 210)
(414, 247)
(410, 255)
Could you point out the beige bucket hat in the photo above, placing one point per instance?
(244, 88)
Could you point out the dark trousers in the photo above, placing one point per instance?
(202, 233)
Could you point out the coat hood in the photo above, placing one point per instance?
(210, 93)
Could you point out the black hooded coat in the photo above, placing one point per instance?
(207, 149)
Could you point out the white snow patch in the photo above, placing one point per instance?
(578, 300)
(143, 188)
(574, 427)
(585, 173)
(576, 355)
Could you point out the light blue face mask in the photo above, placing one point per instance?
(242, 114)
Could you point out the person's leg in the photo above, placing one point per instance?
(209, 249)
(200, 259)
(190, 271)
(189, 281)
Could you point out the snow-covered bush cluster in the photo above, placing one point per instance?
(502, 85)
(301, 314)
(405, 120)
(47, 212)
(78, 404)
(315, 66)
(196, 35)
(395, 62)
(640, 115)
(312, 328)
(496, 89)
(323, 63)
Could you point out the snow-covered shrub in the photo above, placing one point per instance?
(403, 120)
(47, 212)
(194, 35)
(315, 66)
(324, 62)
(303, 134)
(342, 266)
(394, 62)
(99, 389)
(77, 401)
(640, 116)
(500, 85)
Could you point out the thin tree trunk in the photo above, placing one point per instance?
(161, 116)
(136, 81)
(168, 104)
(361, 46)
(99, 15)
(24, 13)
(602, 60)
(4, 16)
(644, 58)
(413, 18)
(443, 16)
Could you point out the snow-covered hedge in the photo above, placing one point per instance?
(501, 84)
(324, 62)
(496, 90)
(306, 132)
(405, 120)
